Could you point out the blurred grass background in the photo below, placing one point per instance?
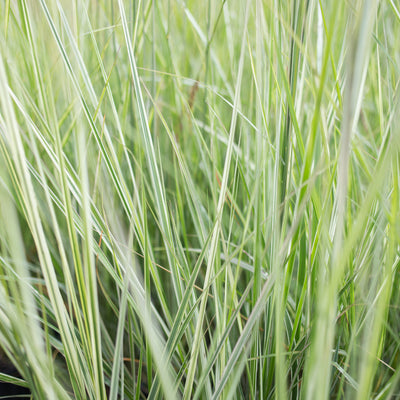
(200, 200)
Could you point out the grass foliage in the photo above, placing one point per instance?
(200, 200)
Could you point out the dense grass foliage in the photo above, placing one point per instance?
(200, 200)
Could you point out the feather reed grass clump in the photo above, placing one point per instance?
(199, 200)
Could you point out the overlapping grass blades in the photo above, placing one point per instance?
(200, 200)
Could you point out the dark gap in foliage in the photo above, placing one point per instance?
(9, 390)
